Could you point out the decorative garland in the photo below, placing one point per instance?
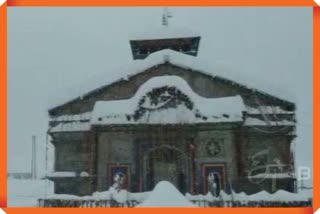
(163, 98)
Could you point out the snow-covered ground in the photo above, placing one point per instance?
(280, 195)
(25, 193)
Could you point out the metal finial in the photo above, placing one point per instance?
(165, 17)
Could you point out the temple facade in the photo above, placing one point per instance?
(172, 118)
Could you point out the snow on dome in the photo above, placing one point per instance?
(165, 194)
(164, 32)
(226, 109)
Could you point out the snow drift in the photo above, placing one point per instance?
(166, 195)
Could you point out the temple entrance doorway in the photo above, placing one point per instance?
(166, 164)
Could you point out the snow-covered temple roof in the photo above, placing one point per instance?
(187, 62)
(203, 110)
(226, 109)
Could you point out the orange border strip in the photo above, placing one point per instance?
(161, 3)
(3, 111)
(160, 210)
(316, 107)
(316, 67)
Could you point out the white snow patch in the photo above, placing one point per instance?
(280, 195)
(25, 193)
(166, 195)
(257, 122)
(138, 196)
(62, 174)
(72, 117)
(70, 127)
(120, 196)
(84, 174)
(207, 197)
(215, 109)
(63, 197)
(106, 195)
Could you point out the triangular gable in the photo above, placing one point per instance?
(185, 62)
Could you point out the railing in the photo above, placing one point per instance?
(205, 203)
(84, 203)
(199, 203)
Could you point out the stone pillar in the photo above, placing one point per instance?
(241, 155)
(92, 146)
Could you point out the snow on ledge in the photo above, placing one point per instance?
(84, 174)
(71, 127)
(72, 117)
(256, 122)
(67, 174)
(268, 110)
(62, 174)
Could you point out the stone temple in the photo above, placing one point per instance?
(173, 118)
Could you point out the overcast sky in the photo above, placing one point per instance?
(57, 53)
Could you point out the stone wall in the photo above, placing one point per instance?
(131, 148)
(215, 147)
(113, 148)
(123, 148)
(71, 154)
(72, 186)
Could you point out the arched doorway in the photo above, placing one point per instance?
(166, 164)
